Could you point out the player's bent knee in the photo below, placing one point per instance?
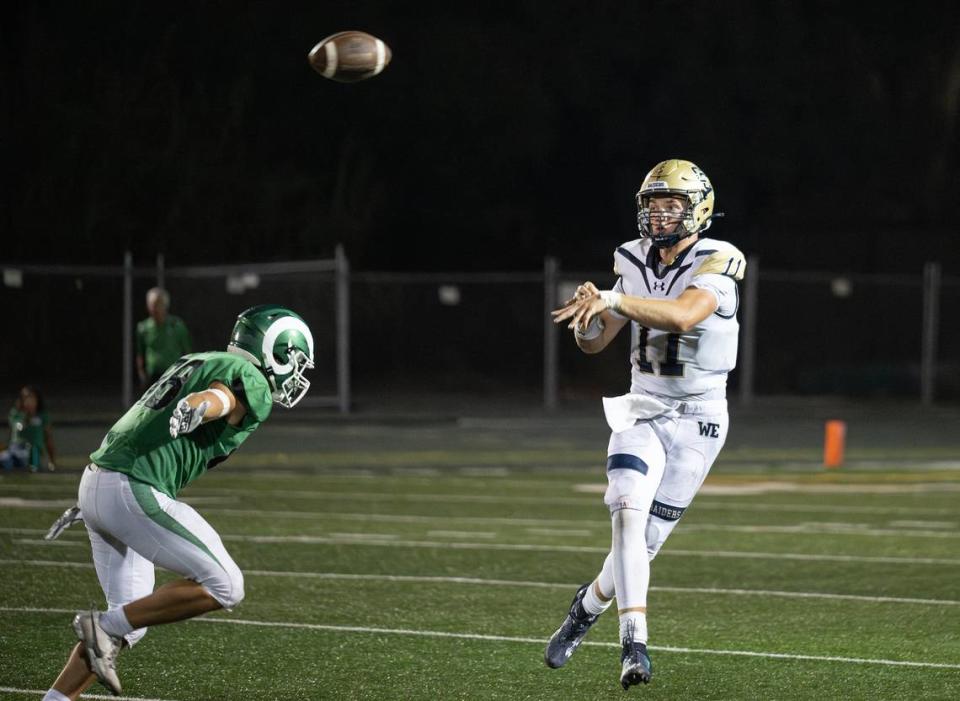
(227, 589)
(625, 489)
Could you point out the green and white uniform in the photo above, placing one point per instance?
(139, 444)
(161, 344)
(128, 493)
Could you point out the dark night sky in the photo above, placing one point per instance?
(500, 133)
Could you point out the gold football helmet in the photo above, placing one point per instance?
(676, 178)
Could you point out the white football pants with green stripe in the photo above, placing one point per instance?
(133, 527)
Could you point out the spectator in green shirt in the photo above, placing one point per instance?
(31, 440)
(161, 338)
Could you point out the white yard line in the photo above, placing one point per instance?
(37, 693)
(704, 501)
(922, 524)
(822, 529)
(537, 547)
(574, 532)
(453, 497)
(760, 488)
(20, 503)
(365, 536)
(811, 528)
(461, 534)
(534, 584)
(537, 641)
(408, 518)
(55, 543)
(591, 492)
(533, 547)
(710, 502)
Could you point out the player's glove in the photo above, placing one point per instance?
(185, 418)
(66, 519)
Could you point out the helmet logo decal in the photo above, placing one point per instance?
(286, 323)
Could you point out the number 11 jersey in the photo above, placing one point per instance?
(139, 443)
(693, 364)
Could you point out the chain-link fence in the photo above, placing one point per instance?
(71, 328)
(481, 334)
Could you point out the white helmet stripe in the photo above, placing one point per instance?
(286, 323)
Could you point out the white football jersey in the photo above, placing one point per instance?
(692, 364)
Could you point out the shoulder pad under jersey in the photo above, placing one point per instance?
(727, 260)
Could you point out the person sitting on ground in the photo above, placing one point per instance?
(31, 439)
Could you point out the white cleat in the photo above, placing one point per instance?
(100, 647)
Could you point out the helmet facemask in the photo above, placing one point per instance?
(685, 224)
(289, 388)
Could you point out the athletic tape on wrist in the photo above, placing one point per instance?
(224, 401)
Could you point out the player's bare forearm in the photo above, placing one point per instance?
(197, 408)
(664, 314)
(673, 315)
(219, 403)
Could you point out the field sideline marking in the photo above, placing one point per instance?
(802, 529)
(540, 585)
(815, 529)
(86, 695)
(922, 489)
(415, 518)
(530, 547)
(705, 501)
(517, 639)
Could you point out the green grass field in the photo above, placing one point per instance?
(414, 572)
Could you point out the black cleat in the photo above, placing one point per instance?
(635, 663)
(569, 635)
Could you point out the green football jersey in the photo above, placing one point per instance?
(161, 345)
(139, 444)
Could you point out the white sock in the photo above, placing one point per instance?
(54, 695)
(592, 603)
(636, 620)
(115, 622)
(631, 570)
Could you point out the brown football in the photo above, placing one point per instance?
(350, 56)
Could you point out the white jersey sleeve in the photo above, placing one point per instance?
(724, 288)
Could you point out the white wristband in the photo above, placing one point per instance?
(593, 330)
(612, 299)
(224, 401)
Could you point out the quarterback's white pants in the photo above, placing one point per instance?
(132, 527)
(654, 470)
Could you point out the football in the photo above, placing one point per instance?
(350, 56)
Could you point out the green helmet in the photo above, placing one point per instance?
(278, 342)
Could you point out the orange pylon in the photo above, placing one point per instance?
(835, 436)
